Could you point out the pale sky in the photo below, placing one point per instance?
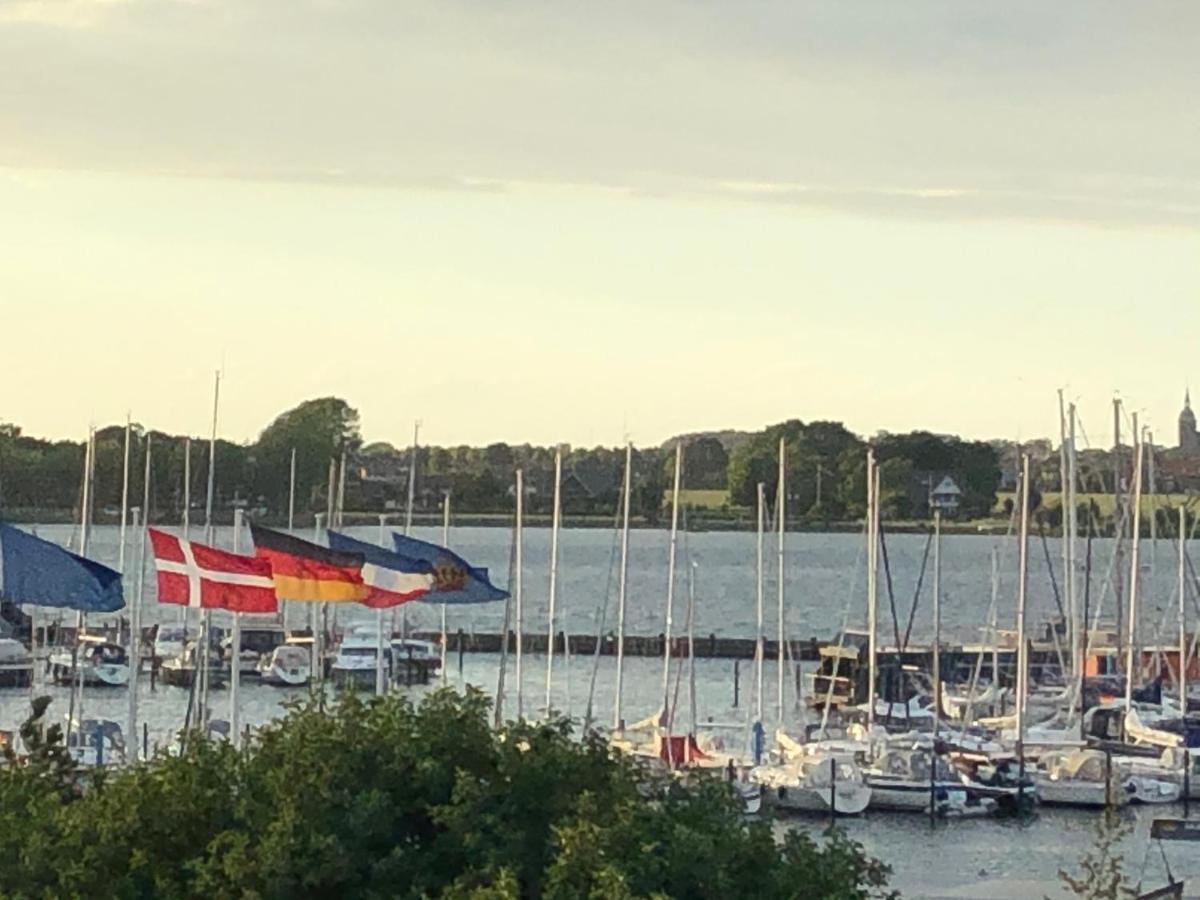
(561, 221)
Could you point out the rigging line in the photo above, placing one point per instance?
(602, 610)
(887, 573)
(912, 612)
(1050, 566)
(858, 561)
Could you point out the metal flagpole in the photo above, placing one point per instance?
(446, 543)
(666, 679)
(408, 518)
(184, 611)
(283, 608)
(89, 472)
(760, 634)
(379, 623)
(235, 651)
(623, 586)
(318, 650)
(124, 497)
(781, 511)
(210, 539)
(1022, 647)
(518, 577)
(554, 526)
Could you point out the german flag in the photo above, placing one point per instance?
(305, 571)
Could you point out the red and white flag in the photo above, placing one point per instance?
(192, 574)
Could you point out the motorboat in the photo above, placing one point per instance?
(180, 670)
(817, 784)
(95, 660)
(357, 660)
(257, 643)
(16, 664)
(169, 641)
(96, 742)
(288, 665)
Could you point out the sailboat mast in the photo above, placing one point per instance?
(412, 479)
(1063, 505)
(518, 587)
(124, 497)
(85, 523)
(872, 544)
(317, 665)
(1130, 668)
(781, 508)
(760, 634)
(666, 679)
(937, 621)
(1022, 587)
(626, 490)
(554, 526)
(1079, 623)
(135, 614)
(1183, 645)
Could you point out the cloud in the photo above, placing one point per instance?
(1074, 111)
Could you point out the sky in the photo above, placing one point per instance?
(577, 222)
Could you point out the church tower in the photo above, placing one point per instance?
(1189, 440)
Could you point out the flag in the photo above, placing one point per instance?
(194, 574)
(454, 579)
(391, 579)
(303, 570)
(44, 574)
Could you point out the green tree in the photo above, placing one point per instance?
(380, 798)
(318, 430)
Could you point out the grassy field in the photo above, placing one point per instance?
(712, 499)
(1105, 502)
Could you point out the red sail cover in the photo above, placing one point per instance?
(678, 749)
(192, 574)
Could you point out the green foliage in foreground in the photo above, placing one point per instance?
(379, 798)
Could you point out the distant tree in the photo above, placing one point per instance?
(318, 430)
(705, 464)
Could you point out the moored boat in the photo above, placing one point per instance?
(16, 664)
(97, 661)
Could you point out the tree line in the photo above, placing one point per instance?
(824, 477)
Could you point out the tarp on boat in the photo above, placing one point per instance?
(677, 749)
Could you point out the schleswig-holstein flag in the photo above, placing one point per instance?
(391, 579)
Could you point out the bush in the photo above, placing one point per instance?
(380, 798)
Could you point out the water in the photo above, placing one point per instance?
(825, 583)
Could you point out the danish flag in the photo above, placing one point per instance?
(192, 574)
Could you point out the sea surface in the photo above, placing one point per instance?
(824, 589)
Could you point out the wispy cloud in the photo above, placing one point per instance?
(1075, 111)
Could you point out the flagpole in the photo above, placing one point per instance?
(408, 516)
(446, 543)
(124, 497)
(235, 649)
(554, 526)
(321, 611)
(518, 578)
(621, 595)
(210, 533)
(185, 612)
(135, 614)
(379, 625)
(283, 609)
(318, 654)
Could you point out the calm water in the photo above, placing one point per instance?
(824, 585)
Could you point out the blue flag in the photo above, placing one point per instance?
(454, 579)
(44, 574)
